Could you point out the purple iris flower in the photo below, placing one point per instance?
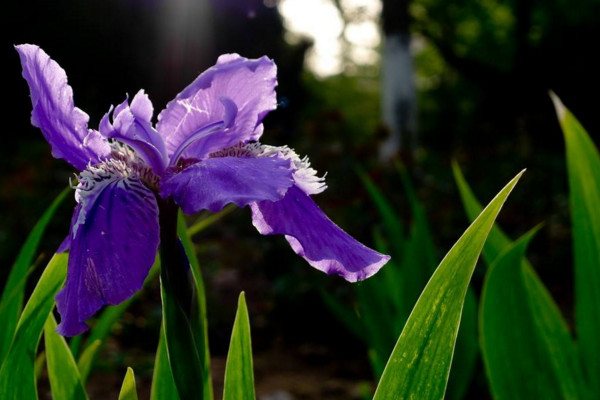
(202, 154)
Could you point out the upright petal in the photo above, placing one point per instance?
(315, 237)
(64, 126)
(213, 183)
(132, 125)
(249, 85)
(112, 249)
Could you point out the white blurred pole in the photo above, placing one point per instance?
(399, 102)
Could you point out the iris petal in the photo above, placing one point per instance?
(111, 251)
(132, 125)
(64, 126)
(248, 84)
(315, 237)
(213, 183)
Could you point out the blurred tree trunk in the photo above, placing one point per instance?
(399, 102)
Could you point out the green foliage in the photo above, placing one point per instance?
(527, 348)
(391, 222)
(22, 365)
(529, 352)
(11, 302)
(497, 239)
(239, 375)
(583, 166)
(420, 363)
(204, 223)
(182, 347)
(128, 391)
(17, 376)
(65, 382)
(466, 350)
(199, 318)
(184, 314)
(85, 362)
(526, 345)
(385, 300)
(163, 384)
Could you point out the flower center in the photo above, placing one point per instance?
(123, 164)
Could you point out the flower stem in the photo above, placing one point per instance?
(179, 307)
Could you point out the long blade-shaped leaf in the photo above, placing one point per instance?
(163, 385)
(209, 220)
(497, 239)
(11, 302)
(87, 357)
(17, 376)
(239, 375)
(465, 353)
(182, 347)
(65, 382)
(527, 348)
(391, 222)
(182, 311)
(420, 363)
(498, 242)
(583, 165)
(419, 258)
(128, 391)
(199, 320)
(420, 230)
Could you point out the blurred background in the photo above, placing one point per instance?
(362, 83)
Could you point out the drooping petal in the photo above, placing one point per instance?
(315, 237)
(111, 251)
(66, 243)
(213, 183)
(64, 126)
(234, 80)
(132, 125)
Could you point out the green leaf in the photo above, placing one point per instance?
(87, 357)
(199, 319)
(583, 166)
(128, 391)
(420, 363)
(11, 302)
(75, 345)
(380, 319)
(65, 382)
(420, 230)
(182, 347)
(465, 353)
(17, 376)
(393, 278)
(239, 375)
(497, 239)
(163, 385)
(182, 310)
(391, 221)
(209, 220)
(419, 257)
(526, 345)
(40, 363)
